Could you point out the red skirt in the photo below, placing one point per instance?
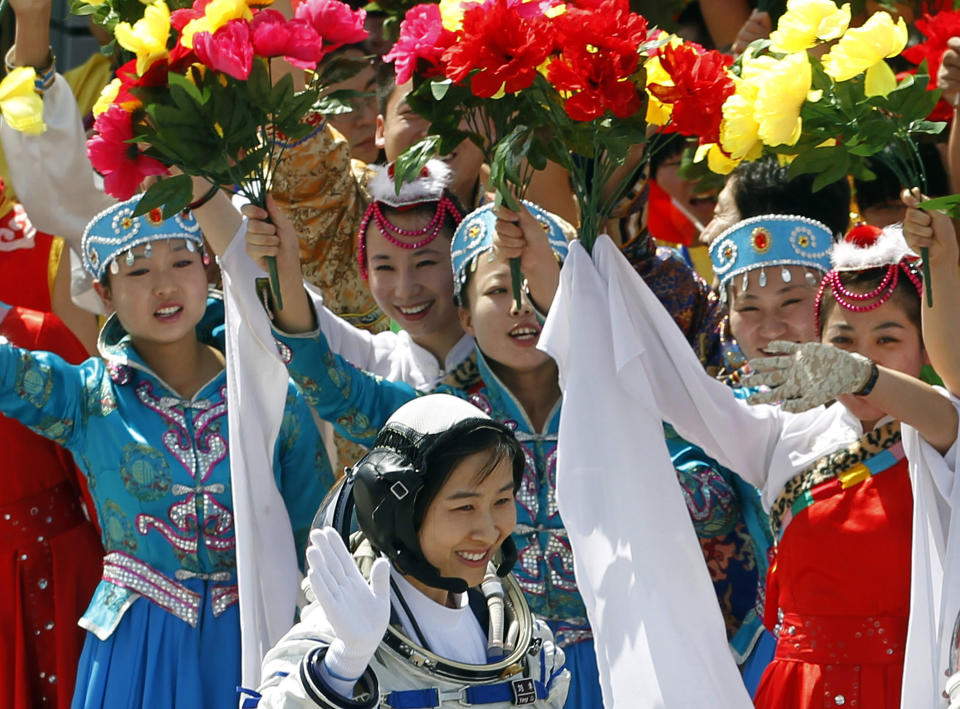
(839, 595)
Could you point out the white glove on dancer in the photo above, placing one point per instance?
(357, 612)
(808, 375)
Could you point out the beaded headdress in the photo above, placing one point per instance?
(475, 236)
(429, 188)
(866, 247)
(115, 231)
(773, 241)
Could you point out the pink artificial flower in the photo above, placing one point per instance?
(295, 40)
(121, 162)
(423, 40)
(334, 21)
(229, 49)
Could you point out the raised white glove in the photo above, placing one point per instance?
(806, 375)
(357, 612)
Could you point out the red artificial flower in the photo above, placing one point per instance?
(121, 162)
(229, 49)
(598, 54)
(701, 85)
(423, 40)
(180, 18)
(937, 29)
(295, 40)
(503, 47)
(336, 22)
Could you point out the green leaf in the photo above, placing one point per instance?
(258, 87)
(339, 102)
(814, 160)
(184, 84)
(837, 170)
(409, 163)
(949, 204)
(439, 88)
(172, 193)
(340, 68)
(79, 7)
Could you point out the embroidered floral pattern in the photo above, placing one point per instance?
(144, 472)
(33, 380)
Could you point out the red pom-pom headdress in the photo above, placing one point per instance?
(867, 247)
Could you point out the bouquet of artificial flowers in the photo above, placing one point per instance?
(199, 96)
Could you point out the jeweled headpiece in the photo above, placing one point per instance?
(866, 247)
(429, 187)
(475, 235)
(772, 241)
(115, 231)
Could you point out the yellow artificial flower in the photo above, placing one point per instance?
(658, 113)
(716, 160)
(807, 22)
(216, 14)
(148, 36)
(864, 49)
(738, 127)
(20, 104)
(107, 97)
(451, 13)
(780, 96)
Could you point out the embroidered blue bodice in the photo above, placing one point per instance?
(157, 467)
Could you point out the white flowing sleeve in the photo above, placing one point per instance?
(935, 572)
(740, 436)
(659, 635)
(51, 173)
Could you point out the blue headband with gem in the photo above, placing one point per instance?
(116, 230)
(475, 233)
(771, 241)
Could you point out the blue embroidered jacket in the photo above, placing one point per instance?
(157, 468)
(359, 403)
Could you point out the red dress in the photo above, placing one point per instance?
(839, 594)
(28, 259)
(50, 554)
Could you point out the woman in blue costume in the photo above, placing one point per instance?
(515, 384)
(147, 426)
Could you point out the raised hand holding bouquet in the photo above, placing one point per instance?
(827, 115)
(199, 96)
(568, 82)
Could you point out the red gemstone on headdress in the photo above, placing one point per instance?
(155, 216)
(863, 235)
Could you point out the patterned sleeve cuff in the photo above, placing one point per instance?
(318, 689)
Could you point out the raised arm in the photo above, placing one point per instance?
(941, 334)
(44, 393)
(51, 174)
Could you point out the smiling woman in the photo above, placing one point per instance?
(423, 603)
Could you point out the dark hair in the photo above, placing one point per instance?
(386, 83)
(669, 147)
(886, 187)
(763, 187)
(440, 464)
(905, 294)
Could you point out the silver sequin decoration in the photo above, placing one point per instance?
(129, 257)
(191, 247)
(746, 281)
(148, 250)
(811, 279)
(763, 278)
(114, 267)
(785, 275)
